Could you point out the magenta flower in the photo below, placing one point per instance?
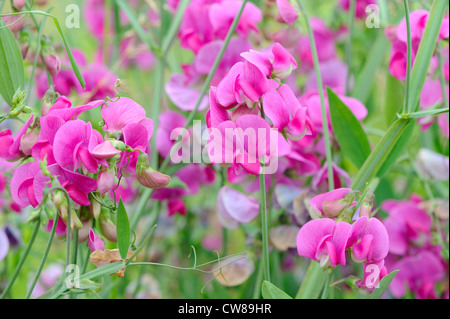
(245, 83)
(176, 206)
(407, 225)
(61, 228)
(360, 7)
(286, 113)
(324, 241)
(235, 208)
(278, 63)
(243, 143)
(10, 147)
(94, 242)
(22, 191)
(331, 204)
(117, 115)
(287, 12)
(419, 273)
(73, 144)
(369, 240)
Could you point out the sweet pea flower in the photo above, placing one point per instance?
(287, 12)
(286, 113)
(324, 38)
(10, 147)
(22, 191)
(245, 83)
(368, 240)
(360, 6)
(332, 203)
(408, 224)
(278, 63)
(419, 273)
(235, 208)
(373, 273)
(61, 228)
(320, 179)
(94, 242)
(242, 152)
(323, 240)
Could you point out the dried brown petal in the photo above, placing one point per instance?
(284, 237)
(101, 258)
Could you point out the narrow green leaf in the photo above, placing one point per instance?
(12, 73)
(393, 101)
(425, 53)
(397, 150)
(366, 78)
(313, 282)
(270, 291)
(380, 153)
(348, 131)
(420, 114)
(383, 286)
(123, 231)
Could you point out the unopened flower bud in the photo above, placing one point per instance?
(147, 176)
(367, 205)
(108, 229)
(18, 4)
(52, 64)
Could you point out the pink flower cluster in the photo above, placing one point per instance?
(63, 149)
(411, 249)
(327, 239)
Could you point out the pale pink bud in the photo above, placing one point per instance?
(52, 64)
(94, 242)
(18, 4)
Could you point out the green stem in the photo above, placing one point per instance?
(409, 55)
(312, 283)
(327, 285)
(264, 227)
(348, 49)
(258, 281)
(43, 260)
(326, 132)
(22, 260)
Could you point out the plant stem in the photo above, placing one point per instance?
(348, 49)
(326, 132)
(327, 285)
(409, 55)
(43, 260)
(22, 260)
(264, 227)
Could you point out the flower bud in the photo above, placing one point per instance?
(331, 204)
(18, 4)
(94, 242)
(367, 205)
(108, 229)
(105, 181)
(52, 64)
(147, 176)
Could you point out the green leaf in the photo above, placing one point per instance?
(425, 52)
(123, 231)
(12, 73)
(397, 150)
(348, 131)
(270, 291)
(313, 282)
(383, 286)
(365, 79)
(380, 153)
(393, 101)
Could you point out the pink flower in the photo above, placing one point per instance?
(324, 38)
(10, 147)
(369, 240)
(176, 206)
(61, 228)
(331, 204)
(22, 191)
(279, 63)
(324, 241)
(419, 273)
(407, 224)
(73, 144)
(286, 113)
(117, 115)
(360, 8)
(235, 208)
(373, 273)
(228, 143)
(94, 242)
(245, 83)
(287, 12)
